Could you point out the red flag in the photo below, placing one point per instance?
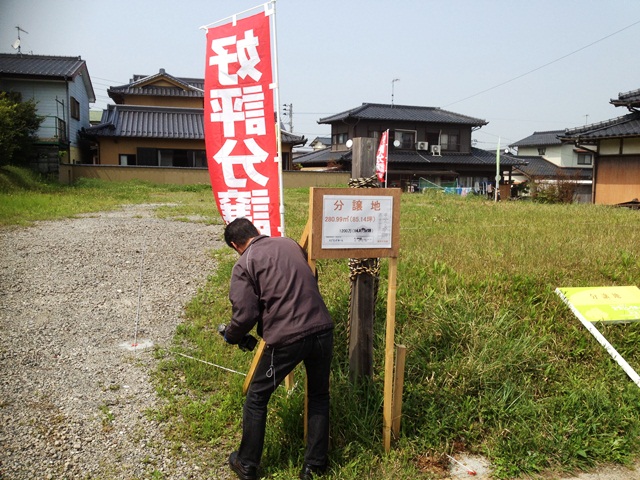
(239, 123)
(382, 157)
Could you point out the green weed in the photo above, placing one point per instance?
(496, 363)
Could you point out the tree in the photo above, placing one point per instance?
(19, 123)
(561, 190)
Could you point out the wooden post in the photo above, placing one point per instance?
(388, 355)
(398, 386)
(252, 368)
(363, 287)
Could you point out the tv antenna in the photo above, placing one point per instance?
(16, 44)
(392, 88)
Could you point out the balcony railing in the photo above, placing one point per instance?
(53, 129)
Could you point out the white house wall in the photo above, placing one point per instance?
(77, 89)
(568, 156)
(45, 93)
(621, 146)
(561, 155)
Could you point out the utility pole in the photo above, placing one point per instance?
(288, 110)
(392, 89)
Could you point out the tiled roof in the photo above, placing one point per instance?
(194, 82)
(291, 138)
(40, 65)
(159, 122)
(627, 99)
(540, 138)
(406, 157)
(326, 141)
(144, 85)
(321, 157)
(538, 167)
(376, 111)
(46, 67)
(624, 126)
(150, 122)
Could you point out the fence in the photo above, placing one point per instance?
(69, 173)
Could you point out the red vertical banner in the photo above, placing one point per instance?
(382, 157)
(239, 123)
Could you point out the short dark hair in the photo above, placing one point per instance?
(240, 231)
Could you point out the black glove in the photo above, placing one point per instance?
(247, 344)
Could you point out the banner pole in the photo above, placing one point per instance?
(386, 168)
(276, 86)
(233, 17)
(497, 170)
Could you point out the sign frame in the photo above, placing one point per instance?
(317, 223)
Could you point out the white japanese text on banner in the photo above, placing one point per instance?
(382, 157)
(239, 123)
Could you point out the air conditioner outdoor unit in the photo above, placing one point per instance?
(435, 150)
(422, 146)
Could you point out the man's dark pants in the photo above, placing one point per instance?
(315, 352)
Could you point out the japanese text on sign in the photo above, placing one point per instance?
(356, 222)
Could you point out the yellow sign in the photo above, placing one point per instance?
(604, 304)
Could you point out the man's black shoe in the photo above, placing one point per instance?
(311, 471)
(244, 472)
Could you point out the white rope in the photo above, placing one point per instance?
(135, 333)
(212, 364)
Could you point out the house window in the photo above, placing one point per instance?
(542, 150)
(450, 141)
(407, 138)
(585, 159)
(199, 158)
(339, 138)
(166, 157)
(75, 108)
(373, 134)
(127, 159)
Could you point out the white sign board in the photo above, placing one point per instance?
(357, 222)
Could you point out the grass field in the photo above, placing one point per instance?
(496, 364)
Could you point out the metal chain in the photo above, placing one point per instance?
(360, 266)
(369, 182)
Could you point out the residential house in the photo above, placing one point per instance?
(615, 145)
(319, 143)
(428, 146)
(62, 90)
(550, 160)
(157, 120)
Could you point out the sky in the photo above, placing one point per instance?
(521, 65)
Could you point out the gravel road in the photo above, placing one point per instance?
(75, 296)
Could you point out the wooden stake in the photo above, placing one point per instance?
(254, 365)
(398, 386)
(388, 355)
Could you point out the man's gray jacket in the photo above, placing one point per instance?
(273, 286)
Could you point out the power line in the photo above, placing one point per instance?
(543, 66)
